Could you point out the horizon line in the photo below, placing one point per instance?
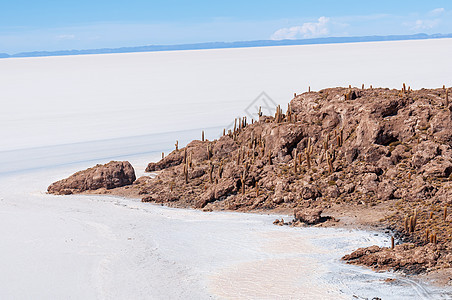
(229, 45)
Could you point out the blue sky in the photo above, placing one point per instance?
(58, 25)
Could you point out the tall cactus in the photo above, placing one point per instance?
(308, 151)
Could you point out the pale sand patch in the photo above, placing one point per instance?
(274, 279)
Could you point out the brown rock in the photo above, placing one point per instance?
(310, 192)
(437, 168)
(112, 175)
(309, 216)
(424, 152)
(405, 257)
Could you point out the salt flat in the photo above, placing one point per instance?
(60, 100)
(69, 113)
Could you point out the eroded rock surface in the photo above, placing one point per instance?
(407, 257)
(111, 175)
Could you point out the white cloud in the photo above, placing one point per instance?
(65, 37)
(307, 30)
(437, 11)
(425, 24)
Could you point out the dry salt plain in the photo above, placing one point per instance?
(62, 114)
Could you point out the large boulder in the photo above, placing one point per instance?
(111, 175)
(309, 216)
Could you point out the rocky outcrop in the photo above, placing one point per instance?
(407, 257)
(382, 149)
(367, 147)
(111, 175)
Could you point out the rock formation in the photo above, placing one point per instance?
(112, 175)
(378, 148)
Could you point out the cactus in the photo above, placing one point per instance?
(362, 87)
(300, 158)
(447, 97)
(431, 215)
(308, 151)
(260, 111)
(288, 113)
(330, 159)
(348, 95)
(392, 242)
(177, 145)
(220, 170)
(278, 115)
(309, 89)
(427, 233)
(406, 223)
(413, 220)
(211, 172)
(404, 88)
(202, 137)
(163, 155)
(445, 213)
(370, 87)
(209, 151)
(186, 173)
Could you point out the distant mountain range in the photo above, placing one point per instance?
(222, 45)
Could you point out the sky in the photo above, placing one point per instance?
(89, 24)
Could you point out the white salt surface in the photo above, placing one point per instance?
(103, 247)
(62, 114)
(61, 100)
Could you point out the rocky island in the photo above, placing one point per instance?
(373, 157)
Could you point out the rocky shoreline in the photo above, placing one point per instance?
(375, 157)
